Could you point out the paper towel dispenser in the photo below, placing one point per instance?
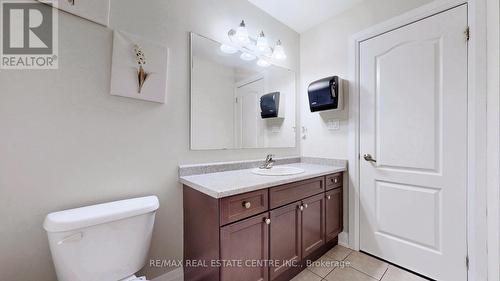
(325, 94)
(271, 106)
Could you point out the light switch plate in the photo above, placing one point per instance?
(333, 125)
(275, 129)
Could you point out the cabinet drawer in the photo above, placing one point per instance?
(288, 193)
(244, 205)
(334, 181)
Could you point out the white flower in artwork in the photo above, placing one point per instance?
(142, 75)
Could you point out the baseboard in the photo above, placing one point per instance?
(344, 239)
(174, 275)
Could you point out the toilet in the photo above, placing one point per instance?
(104, 242)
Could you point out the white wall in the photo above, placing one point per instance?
(324, 52)
(65, 142)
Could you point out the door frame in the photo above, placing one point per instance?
(477, 227)
(493, 137)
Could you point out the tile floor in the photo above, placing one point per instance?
(355, 267)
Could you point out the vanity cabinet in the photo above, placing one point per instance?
(267, 234)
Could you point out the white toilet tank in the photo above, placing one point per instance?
(105, 242)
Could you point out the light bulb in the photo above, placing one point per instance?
(242, 34)
(247, 57)
(263, 63)
(228, 49)
(279, 52)
(262, 45)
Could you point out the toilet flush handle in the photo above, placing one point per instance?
(72, 238)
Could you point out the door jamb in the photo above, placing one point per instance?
(477, 227)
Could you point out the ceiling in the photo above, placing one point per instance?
(300, 15)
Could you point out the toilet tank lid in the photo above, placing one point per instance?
(98, 214)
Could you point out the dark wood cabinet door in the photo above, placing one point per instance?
(313, 224)
(284, 237)
(333, 213)
(246, 241)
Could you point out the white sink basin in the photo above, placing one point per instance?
(278, 171)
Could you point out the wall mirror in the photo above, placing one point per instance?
(236, 103)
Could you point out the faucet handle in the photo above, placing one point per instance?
(269, 157)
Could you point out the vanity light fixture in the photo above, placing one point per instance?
(262, 44)
(247, 56)
(263, 63)
(228, 49)
(242, 34)
(278, 52)
(252, 48)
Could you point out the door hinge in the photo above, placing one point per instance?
(467, 33)
(467, 262)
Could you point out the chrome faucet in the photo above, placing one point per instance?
(268, 163)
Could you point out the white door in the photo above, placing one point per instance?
(248, 120)
(413, 123)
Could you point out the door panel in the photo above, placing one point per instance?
(313, 224)
(333, 213)
(412, 140)
(247, 241)
(413, 122)
(248, 131)
(396, 205)
(285, 240)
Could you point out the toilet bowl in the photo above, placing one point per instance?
(105, 242)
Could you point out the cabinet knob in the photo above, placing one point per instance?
(329, 197)
(305, 206)
(301, 208)
(247, 204)
(336, 180)
(267, 221)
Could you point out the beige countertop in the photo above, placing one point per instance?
(228, 183)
